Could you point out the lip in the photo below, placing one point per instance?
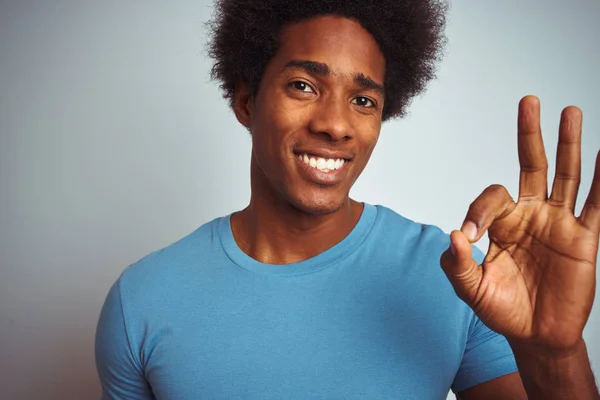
(324, 153)
(319, 177)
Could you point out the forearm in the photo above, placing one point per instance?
(556, 376)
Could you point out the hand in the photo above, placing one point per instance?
(537, 282)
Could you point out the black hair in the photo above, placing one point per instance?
(245, 36)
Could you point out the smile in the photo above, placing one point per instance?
(320, 163)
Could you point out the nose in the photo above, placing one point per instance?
(331, 118)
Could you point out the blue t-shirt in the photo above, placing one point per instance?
(373, 317)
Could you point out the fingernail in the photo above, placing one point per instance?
(469, 229)
(452, 248)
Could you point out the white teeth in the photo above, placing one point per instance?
(323, 164)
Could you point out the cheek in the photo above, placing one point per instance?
(273, 128)
(367, 145)
(286, 114)
(371, 141)
(276, 126)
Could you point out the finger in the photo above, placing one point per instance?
(533, 182)
(492, 204)
(568, 159)
(590, 215)
(462, 271)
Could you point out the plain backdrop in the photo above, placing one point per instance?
(114, 143)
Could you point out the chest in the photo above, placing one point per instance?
(304, 341)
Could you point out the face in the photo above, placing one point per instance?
(316, 116)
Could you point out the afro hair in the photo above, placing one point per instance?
(245, 36)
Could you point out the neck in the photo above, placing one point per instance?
(273, 231)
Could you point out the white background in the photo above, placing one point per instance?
(114, 143)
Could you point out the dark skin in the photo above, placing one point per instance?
(303, 108)
(322, 93)
(537, 283)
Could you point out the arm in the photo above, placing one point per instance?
(537, 283)
(119, 369)
(556, 376)
(507, 387)
(546, 377)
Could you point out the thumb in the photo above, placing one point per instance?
(462, 271)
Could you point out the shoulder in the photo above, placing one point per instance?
(169, 269)
(411, 251)
(406, 233)
(419, 238)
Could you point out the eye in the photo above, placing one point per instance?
(302, 86)
(362, 101)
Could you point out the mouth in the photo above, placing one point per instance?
(321, 163)
(322, 171)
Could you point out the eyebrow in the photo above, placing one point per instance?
(368, 83)
(323, 69)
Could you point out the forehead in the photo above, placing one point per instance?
(341, 43)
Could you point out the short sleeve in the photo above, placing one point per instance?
(487, 354)
(121, 375)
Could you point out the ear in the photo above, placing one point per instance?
(243, 104)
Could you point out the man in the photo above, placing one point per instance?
(307, 293)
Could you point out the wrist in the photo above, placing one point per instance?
(550, 373)
(533, 351)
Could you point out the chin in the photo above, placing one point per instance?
(319, 205)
